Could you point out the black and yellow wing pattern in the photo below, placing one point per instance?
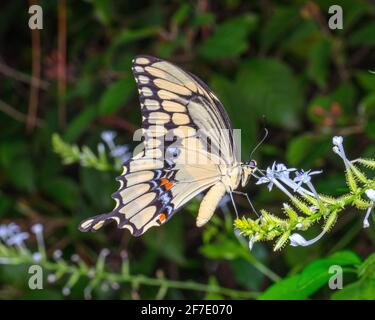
(176, 163)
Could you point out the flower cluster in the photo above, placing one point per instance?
(15, 251)
(121, 153)
(306, 206)
(71, 153)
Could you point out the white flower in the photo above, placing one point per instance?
(339, 149)
(337, 140)
(75, 258)
(66, 291)
(37, 228)
(277, 171)
(366, 223)
(336, 150)
(297, 240)
(17, 239)
(108, 136)
(121, 152)
(51, 278)
(57, 254)
(251, 242)
(3, 232)
(282, 171)
(115, 285)
(8, 230)
(370, 193)
(37, 257)
(263, 180)
(304, 177)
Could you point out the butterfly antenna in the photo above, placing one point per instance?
(260, 142)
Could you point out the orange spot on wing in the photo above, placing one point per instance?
(166, 183)
(162, 217)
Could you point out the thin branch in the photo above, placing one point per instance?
(16, 115)
(63, 268)
(61, 67)
(22, 77)
(119, 123)
(35, 79)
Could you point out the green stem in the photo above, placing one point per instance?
(136, 280)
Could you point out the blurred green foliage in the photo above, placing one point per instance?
(274, 64)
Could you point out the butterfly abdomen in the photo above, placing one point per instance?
(209, 203)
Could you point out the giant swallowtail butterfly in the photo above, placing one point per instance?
(188, 148)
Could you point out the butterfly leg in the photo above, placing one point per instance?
(248, 199)
(234, 204)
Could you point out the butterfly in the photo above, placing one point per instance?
(188, 147)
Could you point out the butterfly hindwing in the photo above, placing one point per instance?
(142, 201)
(147, 198)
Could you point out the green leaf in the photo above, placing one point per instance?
(317, 271)
(333, 184)
(63, 190)
(229, 39)
(116, 95)
(360, 290)
(168, 242)
(270, 88)
(367, 268)
(370, 129)
(21, 173)
(103, 10)
(279, 25)
(80, 123)
(246, 274)
(98, 185)
(319, 62)
(304, 150)
(128, 36)
(301, 39)
(363, 36)
(263, 87)
(224, 248)
(286, 290)
(366, 79)
(181, 14)
(312, 278)
(10, 150)
(364, 288)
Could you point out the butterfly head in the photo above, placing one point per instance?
(247, 169)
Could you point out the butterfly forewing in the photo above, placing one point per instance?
(184, 146)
